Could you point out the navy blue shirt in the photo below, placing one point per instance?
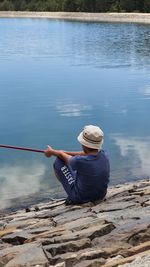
(92, 175)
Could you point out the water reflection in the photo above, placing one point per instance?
(19, 181)
(109, 41)
(137, 151)
(102, 42)
(147, 91)
(73, 109)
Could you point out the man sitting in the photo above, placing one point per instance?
(84, 174)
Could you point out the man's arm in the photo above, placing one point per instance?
(75, 153)
(57, 153)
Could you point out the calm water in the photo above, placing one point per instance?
(57, 76)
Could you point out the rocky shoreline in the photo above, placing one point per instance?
(115, 232)
(81, 16)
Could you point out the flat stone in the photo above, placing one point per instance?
(72, 258)
(91, 233)
(142, 235)
(121, 216)
(114, 263)
(46, 223)
(4, 245)
(136, 249)
(38, 230)
(73, 215)
(51, 205)
(7, 231)
(106, 206)
(97, 231)
(24, 255)
(20, 224)
(91, 254)
(70, 246)
(58, 211)
(2, 224)
(83, 223)
(17, 238)
(147, 191)
(122, 234)
(61, 264)
(140, 261)
(50, 234)
(90, 263)
(21, 216)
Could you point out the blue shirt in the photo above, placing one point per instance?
(92, 176)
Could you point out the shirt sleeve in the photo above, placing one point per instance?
(73, 162)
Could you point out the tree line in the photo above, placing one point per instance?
(76, 5)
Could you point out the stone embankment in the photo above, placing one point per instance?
(81, 16)
(115, 232)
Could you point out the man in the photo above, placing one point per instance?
(85, 174)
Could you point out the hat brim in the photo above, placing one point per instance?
(88, 144)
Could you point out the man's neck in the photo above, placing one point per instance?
(91, 152)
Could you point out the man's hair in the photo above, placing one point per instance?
(90, 149)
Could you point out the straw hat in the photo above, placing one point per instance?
(91, 136)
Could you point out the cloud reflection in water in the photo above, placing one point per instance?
(73, 109)
(19, 181)
(147, 91)
(137, 150)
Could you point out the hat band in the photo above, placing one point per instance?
(91, 141)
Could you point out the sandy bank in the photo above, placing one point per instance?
(96, 17)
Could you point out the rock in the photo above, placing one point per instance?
(17, 238)
(6, 231)
(116, 262)
(137, 249)
(97, 231)
(108, 207)
(90, 263)
(60, 248)
(139, 261)
(115, 232)
(73, 215)
(70, 258)
(24, 255)
(91, 233)
(83, 223)
(61, 264)
(91, 254)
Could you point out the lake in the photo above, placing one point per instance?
(57, 76)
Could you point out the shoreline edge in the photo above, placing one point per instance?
(81, 16)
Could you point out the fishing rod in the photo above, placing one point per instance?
(22, 148)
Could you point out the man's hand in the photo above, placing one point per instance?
(49, 151)
(57, 153)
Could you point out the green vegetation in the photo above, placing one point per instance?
(76, 5)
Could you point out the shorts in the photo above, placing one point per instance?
(67, 177)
